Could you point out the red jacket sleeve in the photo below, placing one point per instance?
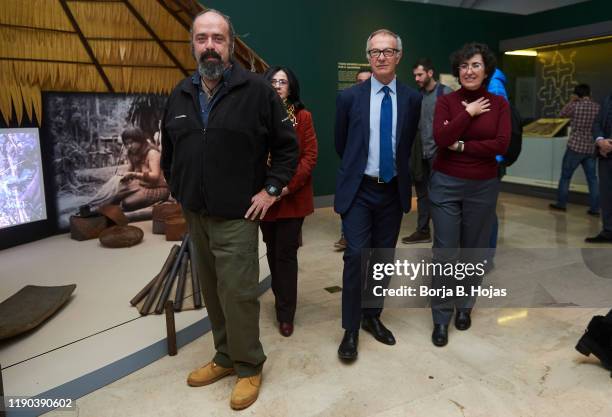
(447, 129)
(308, 150)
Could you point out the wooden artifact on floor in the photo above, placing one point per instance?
(176, 281)
(87, 225)
(170, 328)
(30, 307)
(162, 212)
(175, 227)
(121, 236)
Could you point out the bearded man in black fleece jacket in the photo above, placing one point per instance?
(218, 129)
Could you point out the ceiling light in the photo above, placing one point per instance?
(522, 52)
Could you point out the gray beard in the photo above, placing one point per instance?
(211, 70)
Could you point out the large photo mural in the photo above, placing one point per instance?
(106, 150)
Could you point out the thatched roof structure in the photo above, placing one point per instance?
(122, 46)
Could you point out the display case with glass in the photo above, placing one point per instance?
(541, 81)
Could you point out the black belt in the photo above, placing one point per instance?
(379, 180)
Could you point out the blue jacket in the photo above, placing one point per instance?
(497, 85)
(352, 138)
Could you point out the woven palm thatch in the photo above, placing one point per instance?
(122, 46)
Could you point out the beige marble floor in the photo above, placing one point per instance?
(512, 362)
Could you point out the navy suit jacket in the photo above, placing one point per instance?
(352, 138)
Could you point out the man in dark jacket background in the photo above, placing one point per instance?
(218, 129)
(602, 133)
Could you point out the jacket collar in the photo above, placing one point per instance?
(234, 76)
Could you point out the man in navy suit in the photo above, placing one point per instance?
(376, 122)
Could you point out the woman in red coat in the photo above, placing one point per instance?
(282, 225)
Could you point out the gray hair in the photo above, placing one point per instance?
(387, 32)
(232, 32)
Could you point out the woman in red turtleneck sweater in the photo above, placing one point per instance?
(471, 126)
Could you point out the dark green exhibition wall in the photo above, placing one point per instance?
(312, 37)
(586, 13)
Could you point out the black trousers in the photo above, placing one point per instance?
(372, 221)
(282, 242)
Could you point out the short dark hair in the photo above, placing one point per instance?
(135, 134)
(294, 85)
(582, 90)
(467, 51)
(425, 63)
(362, 70)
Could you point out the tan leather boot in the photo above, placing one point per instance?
(245, 392)
(209, 373)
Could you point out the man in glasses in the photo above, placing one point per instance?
(219, 126)
(375, 125)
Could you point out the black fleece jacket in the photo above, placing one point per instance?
(219, 168)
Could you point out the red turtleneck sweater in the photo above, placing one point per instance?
(485, 135)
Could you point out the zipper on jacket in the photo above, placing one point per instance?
(203, 168)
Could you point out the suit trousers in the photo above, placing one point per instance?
(605, 191)
(463, 213)
(227, 263)
(372, 221)
(282, 242)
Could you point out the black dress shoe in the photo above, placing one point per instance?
(348, 346)
(557, 207)
(598, 239)
(598, 340)
(439, 337)
(463, 321)
(374, 326)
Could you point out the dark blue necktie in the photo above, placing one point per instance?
(385, 167)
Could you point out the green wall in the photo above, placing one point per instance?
(579, 14)
(312, 37)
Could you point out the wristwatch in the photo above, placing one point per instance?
(461, 145)
(273, 190)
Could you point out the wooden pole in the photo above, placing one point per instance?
(170, 328)
(146, 308)
(2, 412)
(138, 297)
(180, 285)
(195, 281)
(170, 281)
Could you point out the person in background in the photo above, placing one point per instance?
(362, 75)
(424, 148)
(582, 112)
(282, 224)
(471, 126)
(497, 86)
(602, 133)
(597, 338)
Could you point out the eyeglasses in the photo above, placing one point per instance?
(476, 66)
(280, 83)
(387, 52)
